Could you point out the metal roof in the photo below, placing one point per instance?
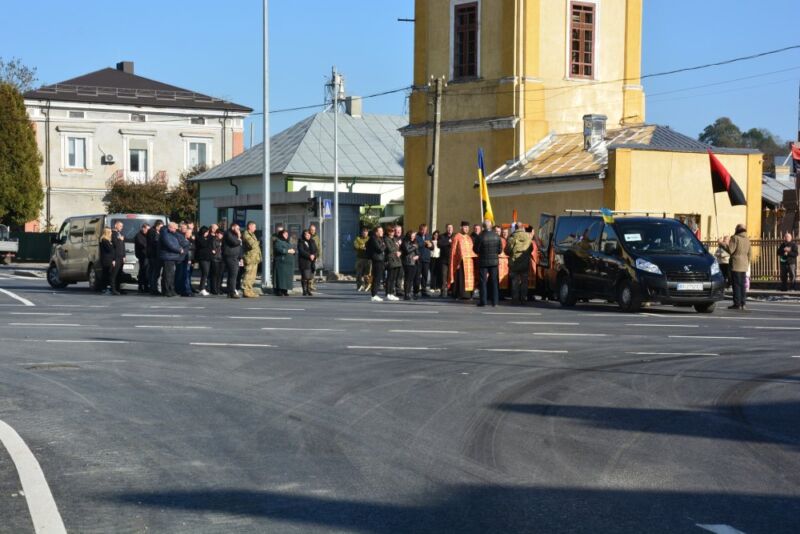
(772, 189)
(370, 146)
(113, 86)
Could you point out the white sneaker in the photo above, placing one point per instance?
(205, 293)
(391, 297)
(376, 298)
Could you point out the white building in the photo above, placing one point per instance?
(114, 125)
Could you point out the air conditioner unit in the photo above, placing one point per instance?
(108, 159)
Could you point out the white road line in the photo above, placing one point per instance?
(38, 313)
(795, 356)
(404, 311)
(518, 314)
(650, 325)
(150, 315)
(303, 329)
(673, 353)
(711, 337)
(179, 307)
(75, 306)
(107, 341)
(577, 334)
(543, 351)
(370, 320)
(720, 529)
(363, 347)
(771, 327)
(261, 318)
(278, 309)
(426, 331)
(14, 296)
(71, 325)
(172, 327)
(73, 362)
(546, 323)
(651, 314)
(42, 507)
(200, 344)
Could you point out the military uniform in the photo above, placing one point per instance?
(312, 284)
(252, 257)
(519, 248)
(363, 264)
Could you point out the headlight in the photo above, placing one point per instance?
(715, 268)
(646, 266)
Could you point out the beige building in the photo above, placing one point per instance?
(112, 124)
(551, 91)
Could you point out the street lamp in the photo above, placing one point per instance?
(266, 271)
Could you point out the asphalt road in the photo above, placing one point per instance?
(337, 414)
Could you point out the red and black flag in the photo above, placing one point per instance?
(723, 182)
(796, 159)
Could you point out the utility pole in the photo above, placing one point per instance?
(336, 82)
(433, 169)
(266, 232)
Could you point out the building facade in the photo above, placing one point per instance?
(551, 91)
(114, 125)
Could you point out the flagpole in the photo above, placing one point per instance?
(716, 217)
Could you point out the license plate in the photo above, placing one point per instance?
(690, 287)
(127, 267)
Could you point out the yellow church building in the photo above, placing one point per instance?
(551, 91)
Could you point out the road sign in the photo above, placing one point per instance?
(327, 208)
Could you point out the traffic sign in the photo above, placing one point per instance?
(327, 208)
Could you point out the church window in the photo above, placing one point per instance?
(465, 41)
(582, 31)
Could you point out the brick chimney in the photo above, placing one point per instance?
(125, 66)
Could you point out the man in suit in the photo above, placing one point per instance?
(140, 249)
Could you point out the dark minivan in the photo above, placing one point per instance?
(629, 261)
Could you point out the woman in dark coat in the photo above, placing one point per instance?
(203, 245)
(284, 264)
(410, 258)
(216, 262)
(106, 258)
(306, 254)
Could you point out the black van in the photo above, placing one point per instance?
(629, 261)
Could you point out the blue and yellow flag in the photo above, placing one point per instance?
(486, 204)
(608, 215)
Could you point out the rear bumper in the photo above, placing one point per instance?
(659, 289)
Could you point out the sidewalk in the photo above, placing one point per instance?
(31, 270)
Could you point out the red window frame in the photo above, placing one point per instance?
(582, 33)
(465, 41)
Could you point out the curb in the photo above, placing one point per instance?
(29, 274)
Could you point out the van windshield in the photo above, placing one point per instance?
(133, 225)
(659, 238)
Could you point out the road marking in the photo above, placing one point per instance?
(303, 329)
(771, 327)
(75, 306)
(664, 325)
(795, 356)
(38, 313)
(72, 325)
(569, 334)
(179, 307)
(518, 314)
(673, 353)
(172, 327)
(426, 331)
(543, 351)
(201, 344)
(711, 337)
(74, 362)
(371, 320)
(150, 315)
(108, 341)
(546, 323)
(651, 314)
(403, 311)
(278, 309)
(364, 347)
(16, 297)
(42, 507)
(720, 529)
(261, 318)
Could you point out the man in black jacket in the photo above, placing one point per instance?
(787, 255)
(153, 260)
(488, 246)
(394, 264)
(231, 252)
(445, 248)
(376, 252)
(140, 249)
(425, 248)
(118, 240)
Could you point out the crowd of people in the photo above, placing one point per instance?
(475, 261)
(228, 259)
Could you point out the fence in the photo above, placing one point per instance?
(764, 265)
(33, 246)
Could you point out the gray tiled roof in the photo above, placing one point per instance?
(667, 139)
(772, 189)
(370, 146)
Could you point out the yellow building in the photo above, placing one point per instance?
(550, 89)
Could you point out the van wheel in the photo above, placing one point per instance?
(92, 276)
(708, 307)
(54, 277)
(628, 298)
(566, 295)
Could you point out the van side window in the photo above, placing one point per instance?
(593, 233)
(91, 230)
(570, 230)
(76, 231)
(609, 242)
(64, 231)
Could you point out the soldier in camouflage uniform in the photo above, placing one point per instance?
(312, 229)
(252, 257)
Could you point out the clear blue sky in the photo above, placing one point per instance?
(214, 47)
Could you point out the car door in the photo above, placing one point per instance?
(544, 267)
(610, 261)
(589, 276)
(72, 250)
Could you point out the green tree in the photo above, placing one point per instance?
(21, 192)
(22, 77)
(129, 197)
(182, 200)
(723, 133)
